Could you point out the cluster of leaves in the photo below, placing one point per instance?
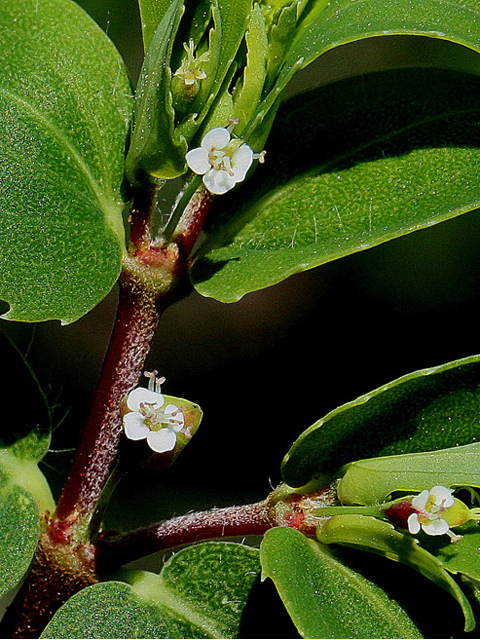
(350, 165)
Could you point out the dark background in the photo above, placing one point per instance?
(267, 367)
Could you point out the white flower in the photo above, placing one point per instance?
(222, 161)
(430, 509)
(149, 417)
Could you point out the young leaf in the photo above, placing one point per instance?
(349, 165)
(325, 598)
(151, 13)
(200, 593)
(155, 148)
(430, 409)
(159, 143)
(370, 481)
(65, 103)
(364, 532)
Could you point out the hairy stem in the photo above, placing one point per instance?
(119, 549)
(135, 324)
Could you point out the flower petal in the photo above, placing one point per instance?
(140, 395)
(242, 161)
(413, 523)
(197, 160)
(219, 181)
(436, 527)
(134, 426)
(216, 138)
(177, 416)
(443, 496)
(420, 501)
(162, 441)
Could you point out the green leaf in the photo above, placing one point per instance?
(19, 531)
(324, 597)
(18, 467)
(364, 532)
(371, 481)
(430, 409)
(65, 103)
(200, 593)
(155, 148)
(159, 142)
(151, 13)
(331, 24)
(462, 557)
(349, 165)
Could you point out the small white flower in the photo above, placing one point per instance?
(430, 509)
(222, 161)
(151, 418)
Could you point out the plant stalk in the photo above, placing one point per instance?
(135, 324)
(114, 550)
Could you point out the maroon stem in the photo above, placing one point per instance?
(136, 321)
(191, 223)
(116, 550)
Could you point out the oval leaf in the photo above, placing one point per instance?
(349, 165)
(200, 593)
(324, 598)
(64, 115)
(430, 409)
(364, 532)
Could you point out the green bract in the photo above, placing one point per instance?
(64, 120)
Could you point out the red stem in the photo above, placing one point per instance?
(116, 550)
(136, 321)
(191, 222)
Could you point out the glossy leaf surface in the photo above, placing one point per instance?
(326, 25)
(325, 598)
(430, 409)
(349, 165)
(64, 114)
(364, 532)
(372, 480)
(200, 593)
(330, 24)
